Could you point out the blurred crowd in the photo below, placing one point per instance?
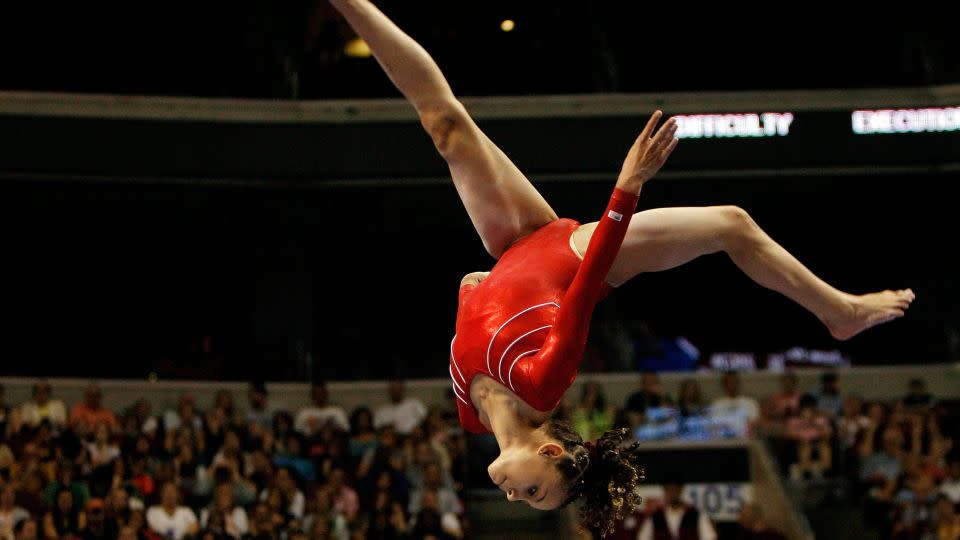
(87, 472)
(321, 472)
(898, 456)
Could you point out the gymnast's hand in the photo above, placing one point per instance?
(474, 278)
(648, 153)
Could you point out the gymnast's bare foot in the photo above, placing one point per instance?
(869, 310)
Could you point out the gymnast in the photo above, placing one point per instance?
(521, 327)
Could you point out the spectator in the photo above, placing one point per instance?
(443, 439)
(324, 520)
(689, 399)
(750, 525)
(261, 470)
(386, 455)
(592, 416)
(66, 479)
(140, 478)
(950, 488)
(287, 486)
(880, 470)
(310, 419)
(25, 529)
(222, 417)
(786, 402)
(811, 431)
(651, 394)
(7, 460)
(4, 413)
(388, 519)
(224, 403)
(424, 454)
(41, 407)
(101, 451)
(281, 426)
(138, 523)
(98, 526)
(335, 455)
(65, 519)
(432, 521)
(292, 457)
(403, 413)
(736, 411)
(918, 399)
(297, 534)
(260, 414)
(345, 500)
(265, 523)
(769, 424)
(446, 501)
(139, 419)
(829, 397)
(947, 525)
(102, 455)
(853, 424)
(184, 415)
(169, 519)
(10, 513)
(676, 519)
(91, 411)
(117, 508)
(233, 517)
(30, 496)
(226, 470)
(914, 512)
(185, 463)
(363, 438)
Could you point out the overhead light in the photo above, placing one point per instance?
(507, 25)
(357, 48)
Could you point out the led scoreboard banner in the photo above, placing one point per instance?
(784, 140)
(773, 124)
(582, 139)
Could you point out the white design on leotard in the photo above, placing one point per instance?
(505, 351)
(515, 360)
(490, 346)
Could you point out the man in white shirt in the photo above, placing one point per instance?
(311, 419)
(676, 519)
(403, 412)
(41, 407)
(738, 412)
(170, 520)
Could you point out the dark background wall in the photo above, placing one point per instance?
(122, 279)
(259, 48)
(237, 249)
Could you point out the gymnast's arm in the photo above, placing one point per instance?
(559, 358)
(556, 365)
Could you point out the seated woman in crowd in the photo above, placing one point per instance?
(65, 518)
(812, 432)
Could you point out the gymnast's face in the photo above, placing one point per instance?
(529, 474)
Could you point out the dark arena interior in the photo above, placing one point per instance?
(233, 256)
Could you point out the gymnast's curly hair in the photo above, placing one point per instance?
(605, 478)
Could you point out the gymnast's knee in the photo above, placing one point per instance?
(737, 226)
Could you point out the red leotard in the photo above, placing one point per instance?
(526, 324)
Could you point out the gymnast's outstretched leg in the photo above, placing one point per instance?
(502, 204)
(665, 238)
